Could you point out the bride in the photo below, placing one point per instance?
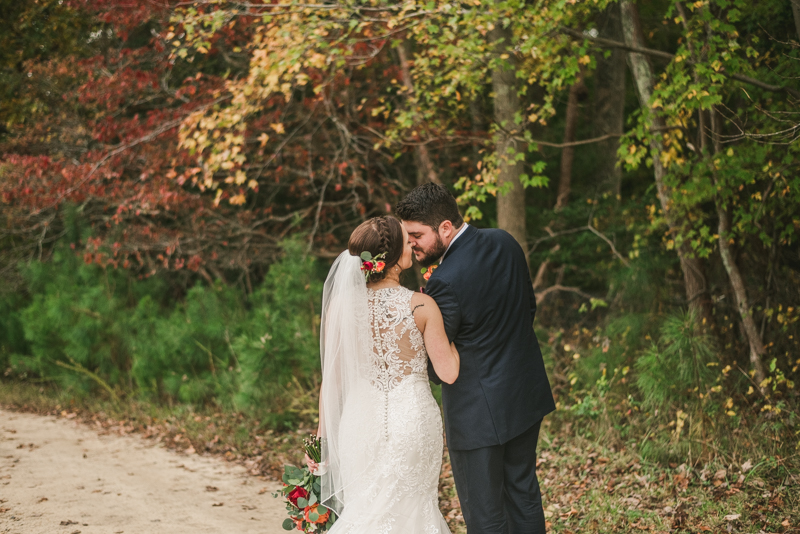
(381, 426)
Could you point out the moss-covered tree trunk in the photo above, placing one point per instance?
(422, 157)
(796, 13)
(507, 108)
(751, 331)
(568, 152)
(609, 103)
(642, 72)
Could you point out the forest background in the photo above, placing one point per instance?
(177, 176)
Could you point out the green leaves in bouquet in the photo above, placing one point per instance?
(293, 475)
(288, 524)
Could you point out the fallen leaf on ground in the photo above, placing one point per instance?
(218, 504)
(747, 466)
(732, 517)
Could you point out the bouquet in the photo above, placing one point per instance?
(301, 488)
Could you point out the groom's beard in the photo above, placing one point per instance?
(432, 255)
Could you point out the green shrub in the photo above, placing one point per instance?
(90, 330)
(74, 325)
(280, 341)
(675, 369)
(12, 333)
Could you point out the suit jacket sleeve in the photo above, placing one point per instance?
(533, 298)
(446, 299)
(442, 293)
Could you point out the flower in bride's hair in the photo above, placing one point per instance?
(372, 264)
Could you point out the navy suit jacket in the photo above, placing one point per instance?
(483, 288)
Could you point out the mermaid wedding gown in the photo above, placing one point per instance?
(390, 466)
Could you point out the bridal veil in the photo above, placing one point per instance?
(345, 346)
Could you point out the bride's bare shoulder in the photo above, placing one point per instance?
(422, 303)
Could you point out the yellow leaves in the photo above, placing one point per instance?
(263, 138)
(533, 117)
(202, 49)
(585, 60)
(317, 60)
(726, 370)
(237, 200)
(277, 127)
(681, 417)
(252, 184)
(240, 177)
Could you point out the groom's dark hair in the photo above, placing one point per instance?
(430, 204)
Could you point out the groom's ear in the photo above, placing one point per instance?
(446, 229)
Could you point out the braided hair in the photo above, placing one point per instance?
(378, 235)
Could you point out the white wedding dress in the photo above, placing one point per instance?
(390, 433)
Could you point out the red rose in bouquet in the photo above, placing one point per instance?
(297, 493)
(302, 491)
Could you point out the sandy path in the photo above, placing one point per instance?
(59, 477)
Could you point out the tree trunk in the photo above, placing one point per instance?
(422, 159)
(568, 152)
(796, 13)
(734, 275)
(510, 206)
(694, 280)
(609, 102)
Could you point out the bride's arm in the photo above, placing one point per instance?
(442, 353)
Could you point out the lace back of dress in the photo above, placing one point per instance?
(398, 348)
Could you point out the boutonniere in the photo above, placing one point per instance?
(426, 273)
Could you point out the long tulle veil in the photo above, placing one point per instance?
(345, 346)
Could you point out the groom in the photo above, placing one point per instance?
(492, 413)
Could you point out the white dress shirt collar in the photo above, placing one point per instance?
(461, 231)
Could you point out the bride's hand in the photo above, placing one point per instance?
(312, 465)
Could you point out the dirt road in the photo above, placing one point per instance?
(59, 477)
